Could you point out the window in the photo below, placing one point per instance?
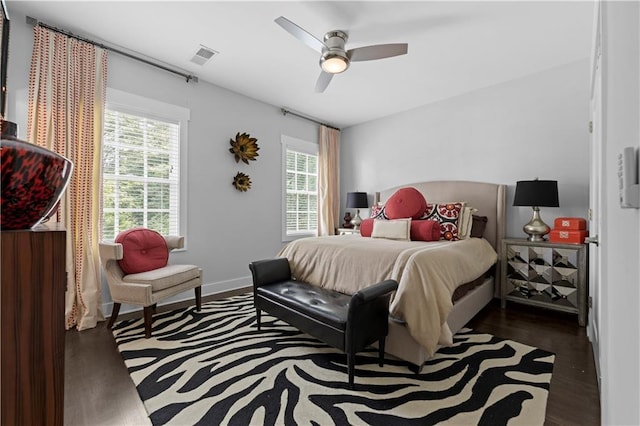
(141, 165)
(300, 195)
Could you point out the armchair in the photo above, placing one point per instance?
(148, 287)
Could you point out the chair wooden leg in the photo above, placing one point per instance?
(198, 291)
(114, 314)
(381, 351)
(148, 319)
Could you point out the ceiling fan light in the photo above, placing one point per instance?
(333, 64)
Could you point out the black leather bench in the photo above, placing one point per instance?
(349, 323)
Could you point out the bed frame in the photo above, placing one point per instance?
(489, 199)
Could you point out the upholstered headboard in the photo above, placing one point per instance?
(488, 198)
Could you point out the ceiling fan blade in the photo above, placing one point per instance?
(300, 33)
(323, 81)
(378, 51)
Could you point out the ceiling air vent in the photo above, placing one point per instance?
(203, 55)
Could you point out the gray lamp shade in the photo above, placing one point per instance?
(536, 193)
(357, 200)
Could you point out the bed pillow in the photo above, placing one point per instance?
(465, 222)
(405, 203)
(447, 214)
(142, 250)
(478, 226)
(425, 230)
(377, 212)
(366, 227)
(395, 229)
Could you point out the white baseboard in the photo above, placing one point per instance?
(207, 290)
(592, 333)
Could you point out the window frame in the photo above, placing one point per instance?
(294, 144)
(125, 102)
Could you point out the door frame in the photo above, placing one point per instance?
(596, 210)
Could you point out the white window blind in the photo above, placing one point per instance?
(141, 173)
(301, 188)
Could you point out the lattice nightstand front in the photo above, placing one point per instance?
(549, 275)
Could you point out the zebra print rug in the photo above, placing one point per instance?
(214, 367)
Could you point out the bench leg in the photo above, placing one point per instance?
(414, 368)
(351, 362)
(381, 351)
(258, 318)
(148, 319)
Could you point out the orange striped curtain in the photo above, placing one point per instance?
(67, 89)
(328, 181)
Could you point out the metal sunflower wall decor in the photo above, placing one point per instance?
(242, 182)
(244, 148)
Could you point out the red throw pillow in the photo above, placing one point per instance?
(366, 227)
(405, 203)
(425, 230)
(142, 250)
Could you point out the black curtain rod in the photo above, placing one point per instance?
(286, 111)
(34, 22)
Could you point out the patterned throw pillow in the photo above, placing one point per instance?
(377, 212)
(447, 215)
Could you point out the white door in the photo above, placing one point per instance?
(595, 193)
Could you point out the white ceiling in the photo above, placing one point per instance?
(454, 47)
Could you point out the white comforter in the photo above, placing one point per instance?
(427, 274)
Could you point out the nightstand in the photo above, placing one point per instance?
(545, 274)
(348, 231)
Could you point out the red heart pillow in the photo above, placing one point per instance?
(405, 203)
(142, 250)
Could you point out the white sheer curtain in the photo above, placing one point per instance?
(67, 88)
(328, 181)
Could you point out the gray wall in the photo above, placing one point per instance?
(531, 127)
(619, 323)
(226, 228)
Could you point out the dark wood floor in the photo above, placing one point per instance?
(574, 396)
(98, 390)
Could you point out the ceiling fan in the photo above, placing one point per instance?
(335, 59)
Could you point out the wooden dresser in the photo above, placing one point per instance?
(33, 281)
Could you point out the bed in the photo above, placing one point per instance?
(422, 315)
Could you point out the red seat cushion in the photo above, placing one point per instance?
(142, 250)
(425, 230)
(405, 203)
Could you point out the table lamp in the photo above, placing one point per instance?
(535, 194)
(357, 200)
